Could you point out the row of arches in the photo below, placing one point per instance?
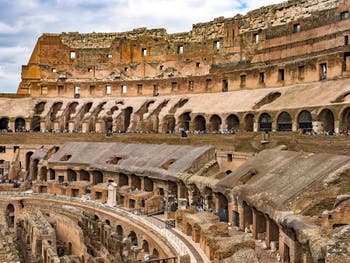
(214, 123)
(20, 124)
(284, 121)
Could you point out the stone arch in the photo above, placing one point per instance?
(155, 253)
(35, 124)
(43, 173)
(249, 122)
(222, 207)
(133, 238)
(135, 182)
(39, 108)
(184, 120)
(127, 118)
(188, 229)
(148, 184)
(345, 119)
(123, 179)
(199, 123)
(215, 123)
(169, 123)
(97, 177)
(20, 125)
(305, 120)
(71, 175)
(4, 124)
(284, 122)
(108, 124)
(35, 163)
(84, 175)
(232, 123)
(265, 122)
(247, 216)
(10, 215)
(52, 174)
(145, 246)
(28, 155)
(120, 232)
(326, 116)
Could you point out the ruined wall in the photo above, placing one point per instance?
(293, 36)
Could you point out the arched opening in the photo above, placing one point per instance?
(249, 122)
(35, 124)
(148, 184)
(215, 123)
(135, 182)
(155, 253)
(305, 121)
(145, 246)
(223, 207)
(107, 222)
(71, 110)
(20, 125)
(247, 216)
(184, 120)
(327, 118)
(127, 117)
(43, 173)
(71, 175)
(10, 216)
(97, 177)
(188, 229)
(284, 122)
(52, 174)
(199, 123)
(232, 123)
(55, 108)
(346, 119)
(120, 231)
(123, 179)
(84, 175)
(109, 124)
(69, 252)
(4, 124)
(28, 155)
(265, 123)
(39, 108)
(169, 123)
(133, 238)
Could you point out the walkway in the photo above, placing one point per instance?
(176, 240)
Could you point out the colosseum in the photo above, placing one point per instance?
(228, 143)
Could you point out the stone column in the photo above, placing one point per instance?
(112, 194)
(255, 126)
(42, 126)
(71, 126)
(85, 127)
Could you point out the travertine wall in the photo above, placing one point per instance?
(261, 49)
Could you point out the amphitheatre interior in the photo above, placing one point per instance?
(228, 143)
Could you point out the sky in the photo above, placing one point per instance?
(22, 22)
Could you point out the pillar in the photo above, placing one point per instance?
(272, 231)
(11, 125)
(241, 217)
(259, 223)
(98, 127)
(112, 194)
(336, 126)
(71, 126)
(255, 126)
(42, 126)
(85, 127)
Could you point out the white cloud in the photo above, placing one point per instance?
(23, 21)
